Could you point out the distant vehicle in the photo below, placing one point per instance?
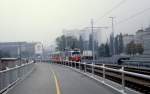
(118, 58)
(74, 55)
(56, 56)
(87, 55)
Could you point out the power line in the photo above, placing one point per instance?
(115, 7)
(133, 16)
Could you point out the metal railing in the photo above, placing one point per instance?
(103, 71)
(10, 76)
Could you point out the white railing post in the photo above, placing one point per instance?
(123, 79)
(103, 72)
(85, 67)
(93, 68)
(79, 65)
(75, 64)
(71, 64)
(61, 62)
(66, 63)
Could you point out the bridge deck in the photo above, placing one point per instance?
(54, 79)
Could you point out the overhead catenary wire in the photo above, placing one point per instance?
(133, 16)
(112, 9)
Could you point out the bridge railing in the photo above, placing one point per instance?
(10, 76)
(130, 79)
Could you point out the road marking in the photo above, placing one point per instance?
(57, 84)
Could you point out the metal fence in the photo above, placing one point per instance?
(126, 78)
(10, 76)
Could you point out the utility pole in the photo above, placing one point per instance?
(113, 31)
(93, 45)
(66, 43)
(92, 30)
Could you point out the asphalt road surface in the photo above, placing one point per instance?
(56, 79)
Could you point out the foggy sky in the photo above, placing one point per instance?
(44, 20)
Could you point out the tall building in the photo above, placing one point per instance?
(143, 37)
(23, 49)
(139, 36)
(84, 33)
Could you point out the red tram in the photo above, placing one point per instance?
(70, 55)
(56, 56)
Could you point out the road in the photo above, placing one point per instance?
(56, 79)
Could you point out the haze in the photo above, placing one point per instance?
(44, 20)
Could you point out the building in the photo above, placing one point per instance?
(146, 41)
(20, 49)
(84, 33)
(143, 37)
(139, 36)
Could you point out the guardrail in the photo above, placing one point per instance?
(137, 63)
(124, 78)
(10, 76)
(130, 63)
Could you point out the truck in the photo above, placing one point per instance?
(87, 55)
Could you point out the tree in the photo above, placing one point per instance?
(116, 42)
(72, 42)
(139, 48)
(101, 50)
(111, 44)
(81, 43)
(131, 48)
(120, 48)
(107, 53)
(61, 43)
(90, 42)
(69, 42)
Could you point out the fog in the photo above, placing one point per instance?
(44, 20)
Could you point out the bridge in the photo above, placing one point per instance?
(66, 77)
